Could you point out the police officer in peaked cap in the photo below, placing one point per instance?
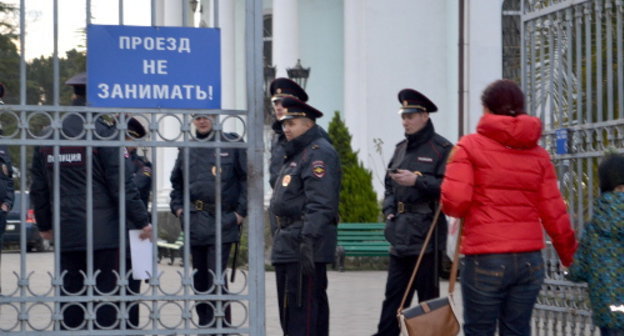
(79, 83)
(305, 203)
(412, 190)
(280, 88)
(141, 166)
(73, 211)
(204, 163)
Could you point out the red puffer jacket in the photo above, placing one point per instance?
(504, 186)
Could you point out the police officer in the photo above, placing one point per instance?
(280, 88)
(202, 168)
(141, 169)
(79, 83)
(7, 191)
(412, 190)
(73, 178)
(305, 203)
(141, 166)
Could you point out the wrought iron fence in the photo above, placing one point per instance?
(572, 73)
(32, 298)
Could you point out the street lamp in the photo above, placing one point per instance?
(299, 74)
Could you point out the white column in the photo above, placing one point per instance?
(484, 63)
(226, 22)
(228, 57)
(355, 74)
(285, 35)
(169, 13)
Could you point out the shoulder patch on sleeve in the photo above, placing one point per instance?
(319, 168)
(315, 146)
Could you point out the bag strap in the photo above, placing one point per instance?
(420, 257)
(422, 252)
(455, 266)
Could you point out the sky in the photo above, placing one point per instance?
(72, 21)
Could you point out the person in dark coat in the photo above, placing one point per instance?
(305, 203)
(7, 191)
(141, 166)
(412, 191)
(202, 167)
(72, 162)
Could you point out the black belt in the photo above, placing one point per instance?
(418, 207)
(201, 205)
(283, 222)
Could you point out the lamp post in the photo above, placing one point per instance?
(299, 74)
(269, 76)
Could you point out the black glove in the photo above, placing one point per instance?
(306, 256)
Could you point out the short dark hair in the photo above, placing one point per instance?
(611, 172)
(504, 97)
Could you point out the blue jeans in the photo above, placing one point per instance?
(605, 331)
(500, 289)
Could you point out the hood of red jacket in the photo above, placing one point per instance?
(522, 132)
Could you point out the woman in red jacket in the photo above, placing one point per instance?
(504, 186)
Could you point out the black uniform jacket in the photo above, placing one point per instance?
(142, 172)
(424, 152)
(73, 191)
(305, 198)
(7, 188)
(278, 152)
(202, 178)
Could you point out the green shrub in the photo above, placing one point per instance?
(358, 200)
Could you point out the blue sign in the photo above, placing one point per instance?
(169, 67)
(562, 140)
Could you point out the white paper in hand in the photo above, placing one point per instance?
(141, 256)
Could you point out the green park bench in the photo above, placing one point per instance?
(360, 240)
(171, 250)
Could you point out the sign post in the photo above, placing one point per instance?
(159, 67)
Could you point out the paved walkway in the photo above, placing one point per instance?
(355, 296)
(355, 299)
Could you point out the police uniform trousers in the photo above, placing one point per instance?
(399, 272)
(204, 261)
(105, 261)
(303, 303)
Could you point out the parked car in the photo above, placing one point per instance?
(34, 242)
